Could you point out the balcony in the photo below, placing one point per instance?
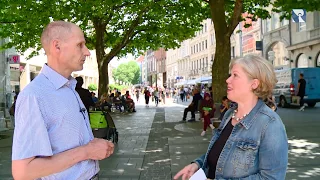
(314, 33)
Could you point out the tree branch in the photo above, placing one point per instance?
(235, 19)
(127, 35)
(108, 19)
(207, 1)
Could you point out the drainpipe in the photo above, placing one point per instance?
(290, 42)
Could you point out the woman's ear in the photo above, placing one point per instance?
(255, 83)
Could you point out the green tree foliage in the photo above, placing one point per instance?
(127, 72)
(112, 27)
(118, 87)
(286, 6)
(92, 87)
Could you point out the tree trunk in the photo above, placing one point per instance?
(101, 56)
(220, 65)
(103, 78)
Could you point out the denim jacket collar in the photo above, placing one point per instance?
(250, 118)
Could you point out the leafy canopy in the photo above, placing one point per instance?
(92, 87)
(127, 72)
(286, 6)
(128, 26)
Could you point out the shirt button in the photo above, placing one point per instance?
(219, 169)
(229, 146)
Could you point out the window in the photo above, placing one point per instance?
(200, 63)
(268, 25)
(205, 27)
(206, 44)
(284, 22)
(202, 45)
(302, 61)
(206, 61)
(275, 21)
(203, 62)
(197, 64)
(191, 50)
(232, 52)
(197, 47)
(212, 39)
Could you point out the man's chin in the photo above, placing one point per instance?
(80, 68)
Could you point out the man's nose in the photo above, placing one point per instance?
(86, 51)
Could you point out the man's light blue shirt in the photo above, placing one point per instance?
(49, 121)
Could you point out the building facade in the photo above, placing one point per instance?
(249, 36)
(276, 39)
(305, 42)
(183, 61)
(31, 68)
(172, 67)
(292, 44)
(140, 61)
(144, 71)
(161, 75)
(202, 48)
(151, 68)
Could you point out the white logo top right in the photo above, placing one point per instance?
(299, 15)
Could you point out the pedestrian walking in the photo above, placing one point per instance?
(163, 97)
(137, 94)
(156, 96)
(52, 138)
(301, 91)
(251, 141)
(147, 95)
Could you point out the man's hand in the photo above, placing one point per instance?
(99, 149)
(187, 171)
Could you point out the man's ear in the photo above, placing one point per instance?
(255, 83)
(56, 45)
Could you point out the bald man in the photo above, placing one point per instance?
(52, 137)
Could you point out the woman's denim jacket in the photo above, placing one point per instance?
(257, 147)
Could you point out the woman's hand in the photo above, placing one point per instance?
(187, 171)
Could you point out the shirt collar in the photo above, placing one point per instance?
(57, 79)
(250, 118)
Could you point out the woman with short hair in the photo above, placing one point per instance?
(251, 141)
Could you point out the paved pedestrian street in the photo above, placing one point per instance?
(153, 144)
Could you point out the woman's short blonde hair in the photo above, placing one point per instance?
(257, 67)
